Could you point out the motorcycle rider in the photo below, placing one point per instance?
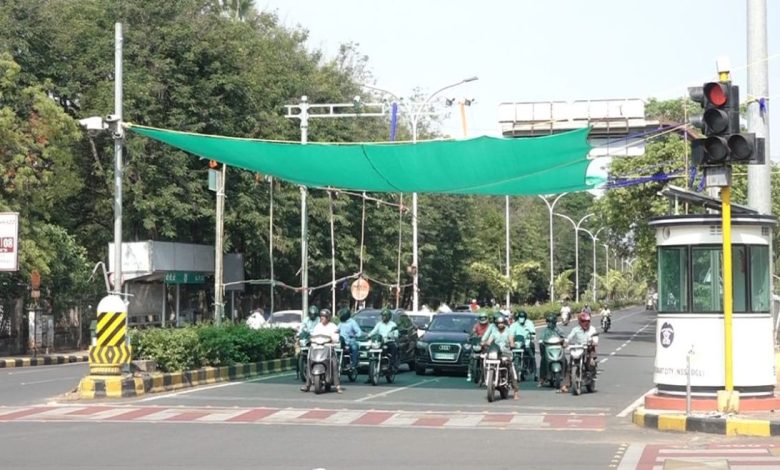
(551, 331)
(479, 330)
(311, 321)
(565, 313)
(584, 334)
(606, 314)
(500, 335)
(388, 330)
(524, 327)
(349, 332)
(326, 328)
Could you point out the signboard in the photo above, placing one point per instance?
(9, 241)
(184, 277)
(360, 289)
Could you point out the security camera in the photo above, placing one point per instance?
(94, 123)
(111, 118)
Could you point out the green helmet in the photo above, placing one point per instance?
(552, 319)
(314, 311)
(386, 314)
(344, 314)
(521, 314)
(483, 318)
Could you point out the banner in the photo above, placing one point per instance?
(9, 241)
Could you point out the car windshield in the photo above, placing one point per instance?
(285, 317)
(420, 321)
(459, 323)
(367, 319)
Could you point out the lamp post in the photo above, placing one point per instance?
(550, 208)
(576, 226)
(594, 237)
(415, 113)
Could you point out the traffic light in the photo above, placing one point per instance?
(723, 141)
(213, 164)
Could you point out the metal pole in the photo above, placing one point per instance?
(119, 137)
(759, 187)
(304, 117)
(688, 383)
(164, 301)
(576, 265)
(725, 194)
(507, 253)
(415, 261)
(594, 271)
(550, 209)
(398, 271)
(332, 255)
(271, 239)
(219, 305)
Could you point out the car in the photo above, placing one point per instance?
(285, 319)
(407, 334)
(445, 345)
(421, 321)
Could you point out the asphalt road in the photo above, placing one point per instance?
(432, 421)
(39, 384)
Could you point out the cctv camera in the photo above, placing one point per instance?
(94, 123)
(111, 118)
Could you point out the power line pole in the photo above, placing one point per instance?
(759, 190)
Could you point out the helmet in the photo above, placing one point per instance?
(314, 311)
(500, 320)
(483, 318)
(551, 319)
(344, 314)
(521, 314)
(584, 318)
(326, 313)
(386, 313)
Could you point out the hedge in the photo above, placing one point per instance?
(192, 347)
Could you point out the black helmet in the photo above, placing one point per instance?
(521, 314)
(314, 311)
(326, 313)
(344, 314)
(551, 318)
(500, 319)
(386, 313)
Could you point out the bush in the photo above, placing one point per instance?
(177, 349)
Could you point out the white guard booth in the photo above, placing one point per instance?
(690, 310)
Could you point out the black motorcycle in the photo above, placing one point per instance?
(606, 323)
(497, 370)
(345, 361)
(476, 362)
(302, 366)
(523, 359)
(380, 362)
(582, 373)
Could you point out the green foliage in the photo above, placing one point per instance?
(564, 287)
(176, 349)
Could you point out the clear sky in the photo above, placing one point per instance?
(540, 50)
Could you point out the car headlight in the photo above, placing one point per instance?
(467, 347)
(422, 344)
(376, 345)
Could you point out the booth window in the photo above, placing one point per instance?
(672, 279)
(708, 279)
(759, 278)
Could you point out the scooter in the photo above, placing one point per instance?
(379, 361)
(582, 375)
(497, 370)
(553, 353)
(476, 362)
(321, 352)
(565, 316)
(302, 368)
(345, 362)
(523, 359)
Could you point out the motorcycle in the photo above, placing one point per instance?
(606, 322)
(345, 362)
(497, 370)
(582, 374)
(565, 316)
(320, 354)
(553, 353)
(523, 360)
(303, 356)
(476, 363)
(380, 362)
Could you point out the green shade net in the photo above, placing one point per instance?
(484, 165)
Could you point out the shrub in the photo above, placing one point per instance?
(172, 349)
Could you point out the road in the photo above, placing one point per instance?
(420, 422)
(33, 385)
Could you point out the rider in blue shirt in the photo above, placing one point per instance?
(349, 331)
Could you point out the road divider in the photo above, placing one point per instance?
(92, 386)
(48, 360)
(725, 425)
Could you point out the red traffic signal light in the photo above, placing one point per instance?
(213, 163)
(716, 93)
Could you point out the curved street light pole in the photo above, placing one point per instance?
(414, 117)
(576, 226)
(594, 237)
(550, 208)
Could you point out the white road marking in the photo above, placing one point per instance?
(630, 408)
(631, 457)
(226, 384)
(388, 392)
(46, 381)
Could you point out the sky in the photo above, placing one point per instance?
(540, 50)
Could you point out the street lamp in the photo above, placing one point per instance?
(594, 237)
(576, 226)
(550, 208)
(415, 113)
